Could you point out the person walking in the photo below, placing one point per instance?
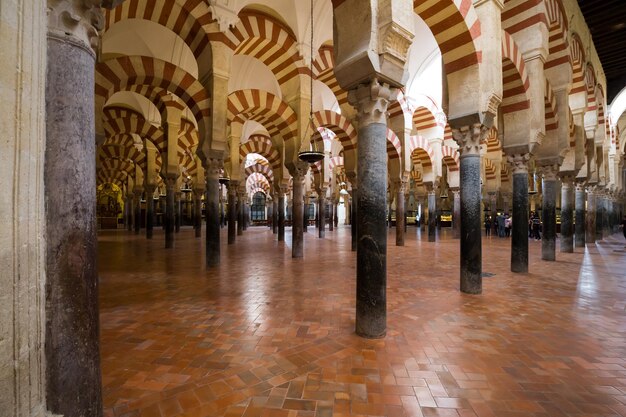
(537, 227)
(487, 226)
(507, 225)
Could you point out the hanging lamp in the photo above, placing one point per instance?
(311, 154)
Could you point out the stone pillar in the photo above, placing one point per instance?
(432, 213)
(590, 218)
(170, 211)
(240, 212)
(72, 349)
(606, 232)
(297, 230)
(469, 139)
(331, 215)
(548, 209)
(371, 101)
(456, 214)
(163, 205)
(149, 212)
(519, 216)
(232, 211)
(580, 216)
(137, 215)
(354, 218)
(281, 215)
(305, 214)
(246, 215)
(270, 214)
(493, 210)
(275, 214)
(179, 210)
(348, 208)
(197, 211)
(212, 211)
(389, 210)
(131, 212)
(321, 212)
(400, 217)
(599, 194)
(567, 215)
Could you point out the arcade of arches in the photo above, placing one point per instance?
(165, 252)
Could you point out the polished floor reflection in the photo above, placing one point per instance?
(266, 335)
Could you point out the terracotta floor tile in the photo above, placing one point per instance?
(266, 335)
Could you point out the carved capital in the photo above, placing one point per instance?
(469, 138)
(371, 101)
(519, 162)
(76, 21)
(549, 172)
(213, 167)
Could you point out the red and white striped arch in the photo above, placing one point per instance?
(455, 26)
(450, 157)
(590, 85)
(264, 170)
(114, 177)
(577, 56)
(339, 125)
(394, 146)
(419, 142)
(122, 152)
(265, 108)
(558, 49)
(552, 121)
(257, 181)
(505, 171)
(189, 19)
(323, 67)
(572, 128)
(514, 77)
(263, 146)
(187, 136)
(493, 141)
(400, 107)
(261, 36)
(139, 126)
(124, 73)
(335, 161)
(522, 14)
(490, 169)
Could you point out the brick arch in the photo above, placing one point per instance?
(590, 87)
(572, 128)
(257, 180)
(455, 26)
(262, 145)
(339, 125)
(117, 112)
(521, 14)
(323, 71)
(423, 119)
(394, 146)
(552, 121)
(493, 141)
(450, 157)
(114, 177)
(187, 136)
(264, 170)
(490, 169)
(558, 45)
(577, 56)
(124, 73)
(263, 37)
(419, 142)
(138, 126)
(265, 108)
(514, 77)
(122, 152)
(335, 161)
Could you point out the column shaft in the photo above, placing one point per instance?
(353, 219)
(131, 214)
(579, 227)
(281, 216)
(322, 215)
(212, 213)
(432, 215)
(137, 215)
(149, 214)
(456, 215)
(400, 215)
(590, 226)
(548, 208)
(240, 214)
(471, 243)
(197, 214)
(170, 212)
(232, 212)
(519, 215)
(275, 215)
(297, 230)
(567, 216)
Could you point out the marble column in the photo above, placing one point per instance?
(519, 215)
(567, 215)
(232, 211)
(493, 211)
(469, 139)
(400, 217)
(456, 214)
(137, 215)
(179, 211)
(371, 101)
(605, 216)
(305, 214)
(275, 214)
(599, 194)
(197, 212)
(580, 216)
(270, 214)
(149, 212)
(548, 212)
(331, 215)
(170, 211)
(432, 213)
(72, 350)
(297, 230)
(348, 207)
(354, 219)
(590, 218)
(321, 201)
(211, 211)
(281, 215)
(240, 212)
(245, 215)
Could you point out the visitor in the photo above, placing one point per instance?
(500, 219)
(537, 227)
(487, 225)
(507, 225)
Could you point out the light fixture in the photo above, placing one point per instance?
(311, 154)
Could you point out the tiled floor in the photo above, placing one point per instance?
(266, 335)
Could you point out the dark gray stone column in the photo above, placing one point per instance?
(232, 211)
(305, 214)
(281, 215)
(400, 216)
(270, 214)
(137, 215)
(456, 214)
(590, 218)
(246, 216)
(353, 218)
(567, 215)
(599, 213)
(331, 215)
(72, 350)
(321, 201)
(519, 215)
(297, 230)
(493, 211)
(336, 212)
(197, 211)
(275, 214)
(149, 212)
(606, 227)
(241, 217)
(179, 210)
(131, 212)
(548, 212)
(371, 268)
(579, 227)
(212, 211)
(170, 211)
(469, 139)
(432, 213)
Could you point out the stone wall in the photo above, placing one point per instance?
(22, 246)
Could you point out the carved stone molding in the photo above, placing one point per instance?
(519, 163)
(469, 138)
(580, 187)
(394, 43)
(549, 172)
(76, 21)
(371, 101)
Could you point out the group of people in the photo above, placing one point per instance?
(502, 223)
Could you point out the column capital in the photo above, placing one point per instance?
(371, 101)
(580, 186)
(591, 189)
(549, 172)
(469, 138)
(77, 22)
(213, 167)
(519, 162)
